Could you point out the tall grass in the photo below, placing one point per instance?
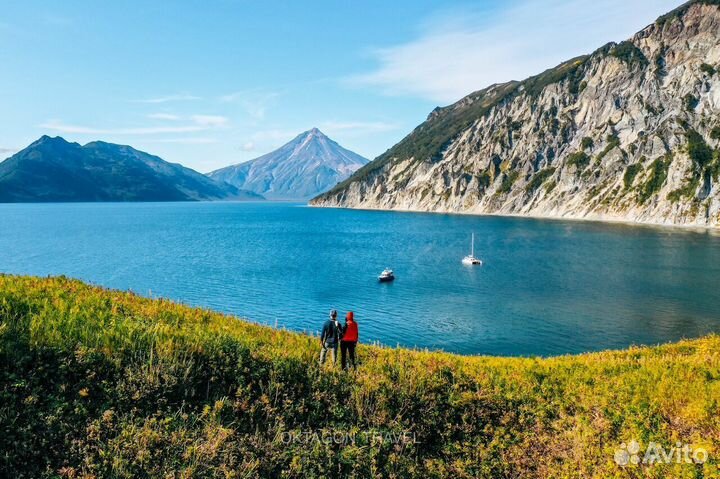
(99, 383)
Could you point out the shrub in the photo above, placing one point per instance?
(539, 178)
(690, 101)
(570, 72)
(508, 181)
(687, 191)
(631, 172)
(715, 133)
(627, 52)
(484, 179)
(612, 142)
(587, 142)
(707, 69)
(656, 179)
(554, 126)
(515, 125)
(579, 159)
(659, 62)
(713, 169)
(698, 150)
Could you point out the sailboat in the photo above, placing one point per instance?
(471, 260)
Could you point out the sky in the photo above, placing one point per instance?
(217, 82)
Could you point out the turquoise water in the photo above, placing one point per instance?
(547, 287)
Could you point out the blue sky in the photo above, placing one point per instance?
(215, 82)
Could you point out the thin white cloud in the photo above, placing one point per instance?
(168, 98)
(197, 123)
(358, 127)
(268, 139)
(210, 120)
(470, 50)
(272, 135)
(255, 102)
(164, 117)
(7, 151)
(87, 130)
(202, 120)
(231, 97)
(184, 141)
(341, 131)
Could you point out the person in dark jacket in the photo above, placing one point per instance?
(349, 341)
(330, 337)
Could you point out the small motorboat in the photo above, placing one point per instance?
(386, 276)
(471, 260)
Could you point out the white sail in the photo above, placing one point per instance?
(471, 259)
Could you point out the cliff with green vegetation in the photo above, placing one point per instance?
(630, 132)
(99, 383)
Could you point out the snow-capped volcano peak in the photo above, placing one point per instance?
(308, 165)
(308, 136)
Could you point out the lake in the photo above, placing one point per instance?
(546, 288)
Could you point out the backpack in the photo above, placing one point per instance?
(335, 333)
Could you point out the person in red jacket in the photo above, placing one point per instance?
(349, 341)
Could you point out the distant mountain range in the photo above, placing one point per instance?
(52, 169)
(305, 167)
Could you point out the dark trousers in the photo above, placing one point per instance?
(345, 348)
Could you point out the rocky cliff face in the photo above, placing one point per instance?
(630, 132)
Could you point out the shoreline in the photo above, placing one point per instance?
(372, 344)
(711, 229)
(706, 229)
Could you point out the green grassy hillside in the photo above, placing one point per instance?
(98, 383)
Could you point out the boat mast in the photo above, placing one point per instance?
(472, 246)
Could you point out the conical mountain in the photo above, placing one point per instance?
(306, 166)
